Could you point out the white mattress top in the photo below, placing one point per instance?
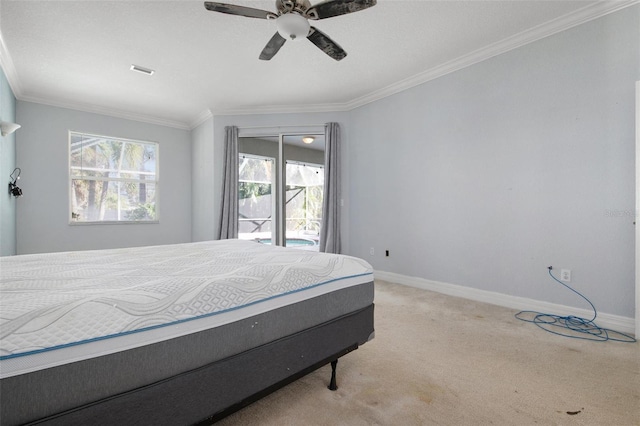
(63, 307)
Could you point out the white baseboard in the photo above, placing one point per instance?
(613, 322)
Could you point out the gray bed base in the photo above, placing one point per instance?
(213, 390)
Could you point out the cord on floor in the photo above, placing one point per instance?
(573, 326)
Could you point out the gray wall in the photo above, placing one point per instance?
(7, 164)
(488, 175)
(202, 182)
(43, 154)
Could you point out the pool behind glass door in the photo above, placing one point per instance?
(304, 191)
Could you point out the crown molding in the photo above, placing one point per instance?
(549, 28)
(201, 118)
(14, 82)
(283, 109)
(9, 69)
(581, 16)
(107, 111)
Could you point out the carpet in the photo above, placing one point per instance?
(442, 360)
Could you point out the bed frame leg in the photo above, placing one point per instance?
(332, 384)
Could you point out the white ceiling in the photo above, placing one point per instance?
(78, 53)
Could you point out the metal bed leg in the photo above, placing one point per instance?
(332, 384)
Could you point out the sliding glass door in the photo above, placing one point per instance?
(303, 209)
(281, 181)
(256, 201)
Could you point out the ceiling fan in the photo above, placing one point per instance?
(292, 20)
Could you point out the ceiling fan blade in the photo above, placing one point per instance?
(233, 9)
(330, 8)
(325, 44)
(272, 47)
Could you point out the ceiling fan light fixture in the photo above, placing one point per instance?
(292, 26)
(308, 139)
(292, 21)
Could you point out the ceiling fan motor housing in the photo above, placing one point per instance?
(286, 6)
(292, 20)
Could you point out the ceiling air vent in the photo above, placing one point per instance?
(142, 70)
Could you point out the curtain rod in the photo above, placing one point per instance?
(280, 127)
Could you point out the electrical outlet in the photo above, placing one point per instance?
(371, 251)
(565, 275)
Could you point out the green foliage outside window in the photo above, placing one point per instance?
(112, 179)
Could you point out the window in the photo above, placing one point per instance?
(112, 180)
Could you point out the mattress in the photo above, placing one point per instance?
(61, 308)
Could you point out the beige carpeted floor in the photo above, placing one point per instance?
(441, 360)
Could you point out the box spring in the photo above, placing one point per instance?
(188, 379)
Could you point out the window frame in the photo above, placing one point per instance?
(72, 177)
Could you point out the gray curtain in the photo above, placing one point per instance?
(330, 230)
(229, 206)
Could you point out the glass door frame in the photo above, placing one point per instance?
(274, 186)
(281, 228)
(281, 133)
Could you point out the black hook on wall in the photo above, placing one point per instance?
(13, 187)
